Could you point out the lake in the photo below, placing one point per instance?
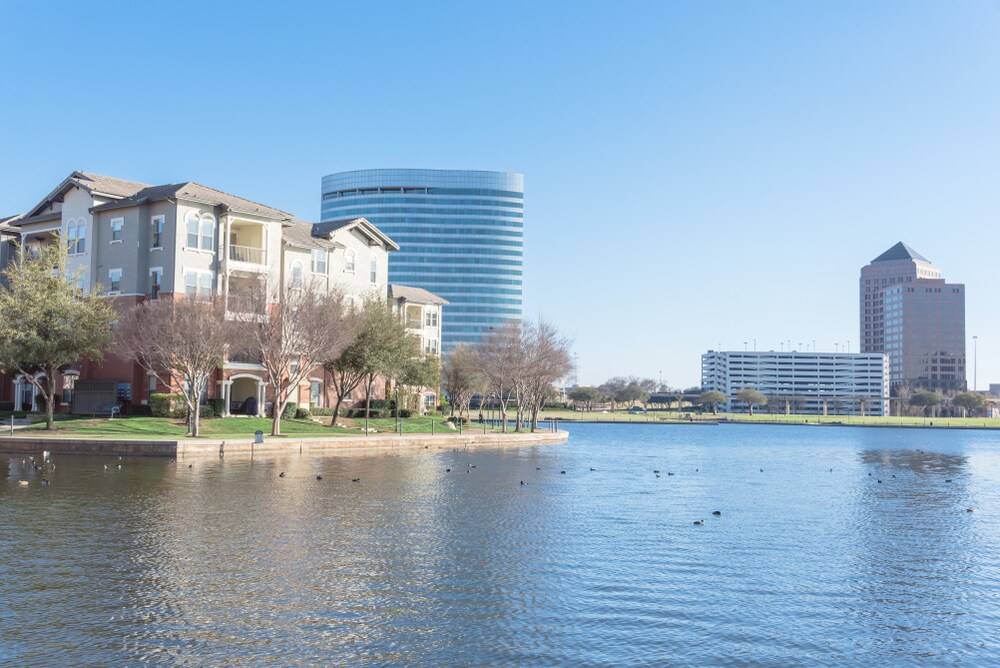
(812, 561)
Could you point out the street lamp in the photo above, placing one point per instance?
(975, 363)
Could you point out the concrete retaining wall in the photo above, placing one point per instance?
(202, 447)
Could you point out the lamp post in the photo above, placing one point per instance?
(975, 363)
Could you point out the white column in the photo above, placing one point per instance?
(260, 398)
(17, 393)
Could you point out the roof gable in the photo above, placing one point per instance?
(95, 184)
(900, 252)
(329, 228)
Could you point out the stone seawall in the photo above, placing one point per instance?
(281, 445)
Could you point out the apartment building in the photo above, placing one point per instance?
(136, 241)
(421, 313)
(804, 383)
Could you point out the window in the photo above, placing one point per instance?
(349, 258)
(69, 383)
(76, 233)
(200, 231)
(431, 318)
(157, 232)
(315, 390)
(207, 233)
(373, 270)
(150, 387)
(115, 278)
(198, 285)
(192, 231)
(116, 230)
(205, 286)
(155, 276)
(296, 281)
(319, 261)
(293, 367)
(431, 347)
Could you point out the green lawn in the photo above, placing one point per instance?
(150, 428)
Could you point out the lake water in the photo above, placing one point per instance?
(210, 562)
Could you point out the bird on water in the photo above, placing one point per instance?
(717, 513)
(699, 523)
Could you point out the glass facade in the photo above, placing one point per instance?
(461, 236)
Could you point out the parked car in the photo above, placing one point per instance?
(636, 410)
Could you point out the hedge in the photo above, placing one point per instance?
(167, 405)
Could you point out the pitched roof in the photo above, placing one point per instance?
(412, 294)
(95, 184)
(326, 229)
(900, 252)
(195, 192)
(299, 233)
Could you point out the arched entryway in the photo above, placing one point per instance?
(239, 389)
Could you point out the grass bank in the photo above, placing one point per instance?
(215, 428)
(868, 420)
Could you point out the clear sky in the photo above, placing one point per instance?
(696, 173)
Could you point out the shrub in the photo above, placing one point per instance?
(379, 405)
(140, 410)
(302, 413)
(360, 413)
(444, 407)
(206, 411)
(6, 406)
(405, 412)
(328, 412)
(167, 405)
(218, 405)
(456, 419)
(39, 403)
(286, 414)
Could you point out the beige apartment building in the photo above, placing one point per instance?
(135, 242)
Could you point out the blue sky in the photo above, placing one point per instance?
(695, 173)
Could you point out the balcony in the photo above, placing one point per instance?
(247, 254)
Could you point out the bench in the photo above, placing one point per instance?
(110, 409)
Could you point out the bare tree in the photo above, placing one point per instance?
(548, 360)
(177, 338)
(460, 377)
(295, 329)
(498, 358)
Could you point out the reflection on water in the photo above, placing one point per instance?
(213, 561)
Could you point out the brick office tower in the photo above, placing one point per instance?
(910, 313)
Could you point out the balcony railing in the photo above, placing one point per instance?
(248, 254)
(413, 324)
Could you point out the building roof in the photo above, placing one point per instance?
(195, 192)
(95, 184)
(5, 222)
(326, 229)
(299, 233)
(416, 295)
(900, 252)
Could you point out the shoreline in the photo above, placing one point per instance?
(180, 448)
(783, 423)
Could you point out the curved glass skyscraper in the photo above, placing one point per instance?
(461, 235)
